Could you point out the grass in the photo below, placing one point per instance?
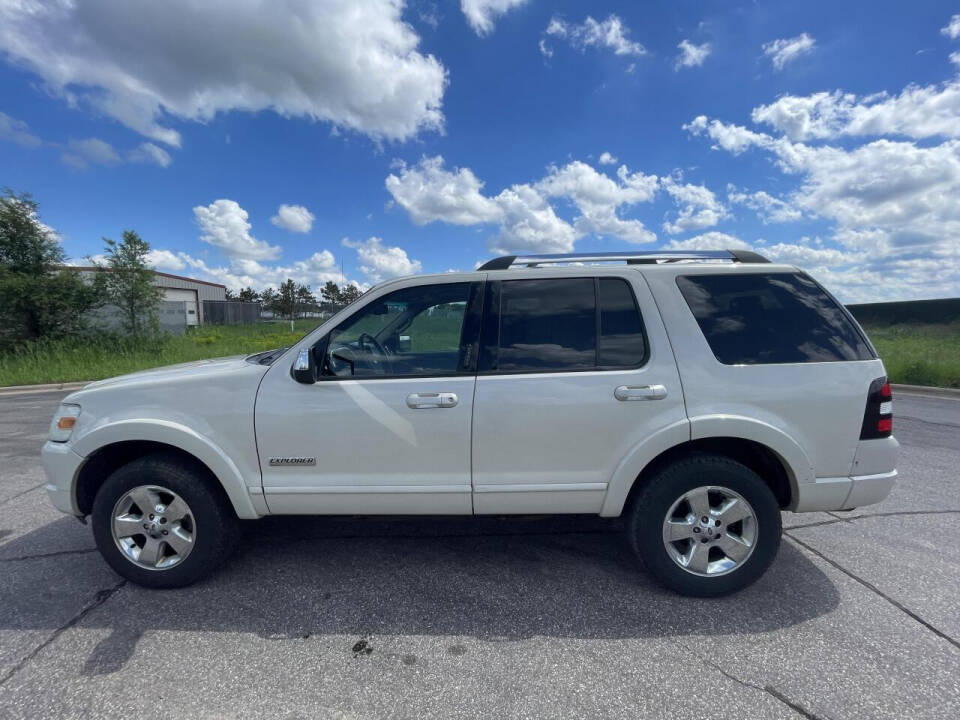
(69, 359)
(918, 354)
(914, 354)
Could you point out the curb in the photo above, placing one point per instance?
(927, 390)
(48, 387)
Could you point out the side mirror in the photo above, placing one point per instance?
(304, 370)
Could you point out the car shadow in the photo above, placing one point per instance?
(492, 579)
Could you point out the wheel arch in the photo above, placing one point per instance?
(770, 453)
(112, 446)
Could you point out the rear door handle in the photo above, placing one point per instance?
(424, 401)
(640, 392)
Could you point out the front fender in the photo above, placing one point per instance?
(183, 438)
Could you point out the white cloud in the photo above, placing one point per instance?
(891, 202)
(379, 262)
(712, 240)
(17, 131)
(149, 153)
(165, 260)
(527, 222)
(952, 30)
(352, 63)
(691, 55)
(481, 13)
(545, 49)
(732, 138)
(598, 197)
(610, 34)
(770, 209)
(429, 192)
(80, 154)
(530, 224)
(295, 218)
(91, 151)
(699, 207)
(955, 58)
(917, 112)
(787, 50)
(224, 224)
(606, 159)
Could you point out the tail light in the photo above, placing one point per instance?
(878, 417)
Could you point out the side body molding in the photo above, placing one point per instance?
(182, 437)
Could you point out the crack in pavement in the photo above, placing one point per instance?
(41, 556)
(21, 494)
(768, 689)
(870, 586)
(894, 513)
(99, 599)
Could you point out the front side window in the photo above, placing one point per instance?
(766, 318)
(413, 331)
(563, 324)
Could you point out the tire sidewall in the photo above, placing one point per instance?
(646, 526)
(211, 535)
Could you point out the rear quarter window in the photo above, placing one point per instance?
(755, 319)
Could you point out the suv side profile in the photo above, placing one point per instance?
(695, 394)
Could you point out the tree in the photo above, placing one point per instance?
(37, 296)
(230, 296)
(331, 293)
(130, 283)
(268, 297)
(248, 294)
(349, 293)
(305, 301)
(285, 302)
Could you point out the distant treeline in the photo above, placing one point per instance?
(946, 310)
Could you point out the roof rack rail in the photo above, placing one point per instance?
(505, 262)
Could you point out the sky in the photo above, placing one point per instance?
(357, 140)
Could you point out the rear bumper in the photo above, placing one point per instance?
(60, 465)
(844, 493)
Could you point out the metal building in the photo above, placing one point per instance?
(176, 288)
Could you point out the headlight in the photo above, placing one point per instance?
(61, 427)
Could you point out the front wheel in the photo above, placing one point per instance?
(705, 526)
(158, 523)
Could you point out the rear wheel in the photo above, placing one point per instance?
(158, 523)
(705, 526)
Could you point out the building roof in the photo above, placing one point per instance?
(94, 268)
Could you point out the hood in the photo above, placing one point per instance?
(171, 374)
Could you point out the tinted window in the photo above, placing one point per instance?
(622, 342)
(414, 331)
(548, 325)
(772, 318)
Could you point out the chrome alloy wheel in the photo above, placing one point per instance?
(153, 527)
(710, 531)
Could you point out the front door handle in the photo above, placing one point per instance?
(424, 401)
(640, 392)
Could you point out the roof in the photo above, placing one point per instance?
(94, 268)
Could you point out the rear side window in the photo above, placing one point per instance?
(771, 318)
(548, 325)
(622, 342)
(564, 324)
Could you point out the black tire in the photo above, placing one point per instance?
(646, 515)
(217, 528)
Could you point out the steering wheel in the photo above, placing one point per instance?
(366, 339)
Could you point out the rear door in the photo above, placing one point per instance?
(574, 371)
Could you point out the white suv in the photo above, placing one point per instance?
(695, 394)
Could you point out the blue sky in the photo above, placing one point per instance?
(428, 136)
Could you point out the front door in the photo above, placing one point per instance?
(386, 428)
(574, 372)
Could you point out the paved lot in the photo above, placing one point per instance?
(859, 617)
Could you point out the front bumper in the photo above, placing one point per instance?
(844, 493)
(60, 465)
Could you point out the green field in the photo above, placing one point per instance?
(914, 354)
(102, 357)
